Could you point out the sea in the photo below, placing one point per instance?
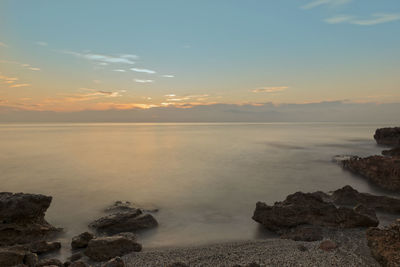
(205, 178)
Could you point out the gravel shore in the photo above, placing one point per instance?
(352, 251)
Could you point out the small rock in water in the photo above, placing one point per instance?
(115, 262)
(129, 206)
(82, 240)
(106, 248)
(127, 221)
(75, 256)
(42, 247)
(327, 245)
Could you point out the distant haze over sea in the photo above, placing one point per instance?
(334, 111)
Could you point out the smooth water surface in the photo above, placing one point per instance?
(204, 178)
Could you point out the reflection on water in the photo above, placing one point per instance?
(205, 178)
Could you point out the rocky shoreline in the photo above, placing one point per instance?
(339, 228)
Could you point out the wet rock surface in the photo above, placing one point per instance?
(22, 218)
(380, 170)
(13, 257)
(309, 209)
(388, 136)
(351, 197)
(119, 206)
(131, 220)
(82, 240)
(394, 152)
(385, 244)
(42, 247)
(106, 248)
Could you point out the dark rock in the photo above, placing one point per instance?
(308, 208)
(385, 244)
(388, 136)
(304, 233)
(380, 170)
(128, 221)
(67, 264)
(82, 240)
(75, 256)
(22, 207)
(106, 248)
(78, 264)
(116, 262)
(22, 218)
(351, 197)
(394, 152)
(119, 206)
(31, 259)
(14, 256)
(42, 247)
(49, 262)
(10, 257)
(327, 245)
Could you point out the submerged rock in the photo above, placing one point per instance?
(310, 209)
(388, 136)
(78, 264)
(127, 221)
(22, 218)
(106, 248)
(119, 206)
(394, 152)
(385, 244)
(351, 197)
(82, 240)
(380, 170)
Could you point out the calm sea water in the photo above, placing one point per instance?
(205, 178)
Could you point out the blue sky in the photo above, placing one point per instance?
(141, 54)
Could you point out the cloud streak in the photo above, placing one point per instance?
(143, 81)
(330, 3)
(143, 70)
(375, 19)
(3, 44)
(273, 89)
(104, 59)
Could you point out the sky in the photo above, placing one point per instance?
(95, 55)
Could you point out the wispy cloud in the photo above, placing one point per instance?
(40, 43)
(90, 95)
(3, 44)
(104, 59)
(273, 89)
(19, 85)
(143, 70)
(27, 66)
(168, 76)
(143, 81)
(119, 70)
(12, 82)
(375, 19)
(331, 3)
